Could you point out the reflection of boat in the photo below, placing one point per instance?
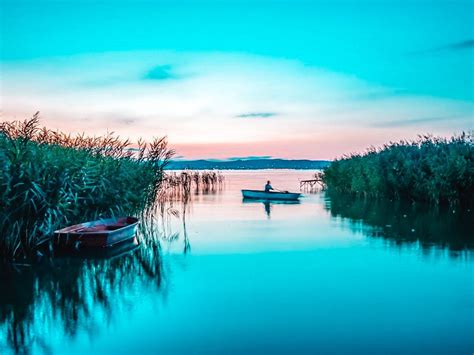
(273, 195)
(101, 233)
(269, 203)
(117, 251)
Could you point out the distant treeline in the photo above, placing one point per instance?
(436, 170)
(246, 164)
(49, 179)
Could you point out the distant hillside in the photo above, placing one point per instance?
(250, 164)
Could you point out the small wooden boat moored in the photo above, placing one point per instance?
(272, 195)
(101, 233)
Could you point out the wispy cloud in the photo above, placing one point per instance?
(458, 45)
(115, 119)
(381, 94)
(454, 46)
(126, 121)
(223, 104)
(251, 157)
(160, 72)
(413, 121)
(257, 115)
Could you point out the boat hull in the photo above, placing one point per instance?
(262, 195)
(101, 233)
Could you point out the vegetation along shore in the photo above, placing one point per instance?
(435, 170)
(49, 179)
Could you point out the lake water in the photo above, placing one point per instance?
(330, 274)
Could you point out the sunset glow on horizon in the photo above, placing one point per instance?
(242, 79)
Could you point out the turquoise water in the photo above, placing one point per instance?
(330, 274)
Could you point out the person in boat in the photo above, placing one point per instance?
(268, 187)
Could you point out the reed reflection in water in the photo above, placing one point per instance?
(74, 292)
(78, 291)
(353, 266)
(403, 223)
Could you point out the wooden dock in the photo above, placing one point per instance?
(312, 184)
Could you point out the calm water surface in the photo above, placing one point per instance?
(330, 274)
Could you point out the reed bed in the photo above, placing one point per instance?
(175, 199)
(97, 281)
(179, 186)
(50, 179)
(435, 170)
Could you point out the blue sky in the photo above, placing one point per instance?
(394, 68)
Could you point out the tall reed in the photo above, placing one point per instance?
(437, 170)
(50, 179)
(180, 185)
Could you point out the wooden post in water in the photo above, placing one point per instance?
(312, 184)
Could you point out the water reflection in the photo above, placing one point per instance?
(73, 292)
(268, 204)
(84, 302)
(268, 208)
(402, 222)
(70, 292)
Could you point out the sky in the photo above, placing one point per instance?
(289, 79)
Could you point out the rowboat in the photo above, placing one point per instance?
(272, 195)
(101, 233)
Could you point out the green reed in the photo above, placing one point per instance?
(49, 179)
(180, 185)
(436, 170)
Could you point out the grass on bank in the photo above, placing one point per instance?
(49, 179)
(436, 170)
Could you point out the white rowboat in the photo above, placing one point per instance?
(272, 195)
